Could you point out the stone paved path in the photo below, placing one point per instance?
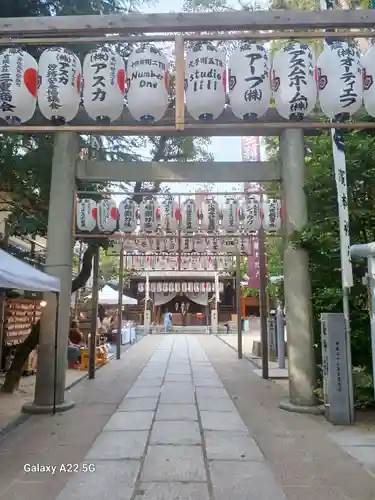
(175, 436)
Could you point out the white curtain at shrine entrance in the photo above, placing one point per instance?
(198, 298)
(161, 298)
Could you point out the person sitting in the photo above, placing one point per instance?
(76, 340)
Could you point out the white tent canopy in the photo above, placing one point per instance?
(109, 296)
(21, 276)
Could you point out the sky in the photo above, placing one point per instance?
(222, 148)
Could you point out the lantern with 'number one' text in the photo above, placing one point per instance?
(271, 215)
(147, 84)
(107, 216)
(249, 81)
(59, 89)
(340, 80)
(103, 85)
(205, 81)
(18, 86)
(293, 81)
(86, 215)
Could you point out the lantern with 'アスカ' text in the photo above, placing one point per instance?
(147, 84)
(103, 85)
(107, 215)
(293, 81)
(59, 88)
(249, 81)
(86, 214)
(18, 88)
(205, 81)
(340, 81)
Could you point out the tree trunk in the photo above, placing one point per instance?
(14, 374)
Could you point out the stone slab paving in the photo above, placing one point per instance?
(176, 435)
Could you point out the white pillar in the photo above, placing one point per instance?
(58, 263)
(297, 288)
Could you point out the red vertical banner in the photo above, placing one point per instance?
(250, 151)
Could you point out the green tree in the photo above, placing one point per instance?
(25, 160)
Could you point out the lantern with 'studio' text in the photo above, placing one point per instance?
(59, 85)
(103, 85)
(147, 84)
(205, 81)
(249, 81)
(18, 89)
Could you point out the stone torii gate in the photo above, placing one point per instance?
(66, 167)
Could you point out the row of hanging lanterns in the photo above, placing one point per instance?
(177, 286)
(340, 79)
(183, 262)
(150, 217)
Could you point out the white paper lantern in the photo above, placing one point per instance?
(103, 85)
(18, 88)
(128, 215)
(141, 287)
(59, 88)
(252, 214)
(107, 215)
(208, 287)
(157, 244)
(243, 244)
(86, 214)
(231, 211)
(271, 215)
(205, 80)
(171, 245)
(210, 216)
(200, 243)
(340, 80)
(213, 244)
(228, 245)
(186, 244)
(249, 81)
(368, 65)
(149, 216)
(171, 287)
(189, 216)
(147, 84)
(293, 81)
(169, 215)
(153, 286)
(177, 286)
